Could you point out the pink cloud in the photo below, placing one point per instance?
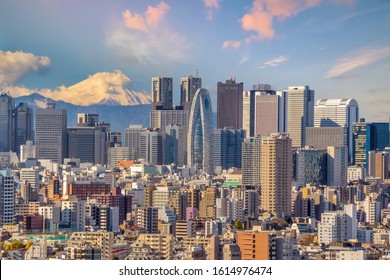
(263, 12)
(211, 5)
(134, 21)
(154, 15)
(151, 18)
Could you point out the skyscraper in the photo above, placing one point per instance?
(229, 104)
(162, 89)
(337, 164)
(323, 137)
(248, 113)
(132, 140)
(300, 110)
(6, 122)
(199, 153)
(368, 137)
(264, 111)
(151, 146)
(50, 137)
(276, 170)
(23, 125)
(251, 162)
(188, 87)
(7, 197)
(86, 143)
(337, 113)
(227, 148)
(175, 142)
(310, 166)
(87, 119)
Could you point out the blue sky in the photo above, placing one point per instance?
(340, 48)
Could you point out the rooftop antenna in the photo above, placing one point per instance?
(197, 73)
(234, 77)
(231, 77)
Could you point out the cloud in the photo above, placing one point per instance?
(263, 12)
(244, 59)
(144, 38)
(149, 20)
(15, 65)
(354, 61)
(274, 62)
(211, 6)
(262, 15)
(231, 44)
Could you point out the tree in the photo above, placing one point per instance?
(29, 244)
(238, 225)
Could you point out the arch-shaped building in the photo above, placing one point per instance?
(200, 132)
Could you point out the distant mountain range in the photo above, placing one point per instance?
(108, 88)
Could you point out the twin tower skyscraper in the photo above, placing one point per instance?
(187, 129)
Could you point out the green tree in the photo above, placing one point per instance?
(238, 225)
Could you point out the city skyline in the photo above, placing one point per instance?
(258, 41)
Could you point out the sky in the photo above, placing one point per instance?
(340, 48)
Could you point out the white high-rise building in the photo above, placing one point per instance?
(300, 110)
(30, 175)
(337, 113)
(338, 226)
(50, 133)
(27, 151)
(337, 164)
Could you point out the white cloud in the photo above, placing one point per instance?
(15, 65)
(231, 44)
(274, 62)
(244, 59)
(354, 61)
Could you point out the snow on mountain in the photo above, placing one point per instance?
(109, 88)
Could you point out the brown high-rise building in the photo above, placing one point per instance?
(207, 204)
(378, 164)
(229, 104)
(276, 174)
(257, 245)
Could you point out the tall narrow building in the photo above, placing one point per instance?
(300, 110)
(162, 88)
(6, 122)
(23, 125)
(50, 134)
(229, 104)
(276, 173)
(133, 139)
(200, 130)
(188, 87)
(7, 198)
(251, 163)
(151, 146)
